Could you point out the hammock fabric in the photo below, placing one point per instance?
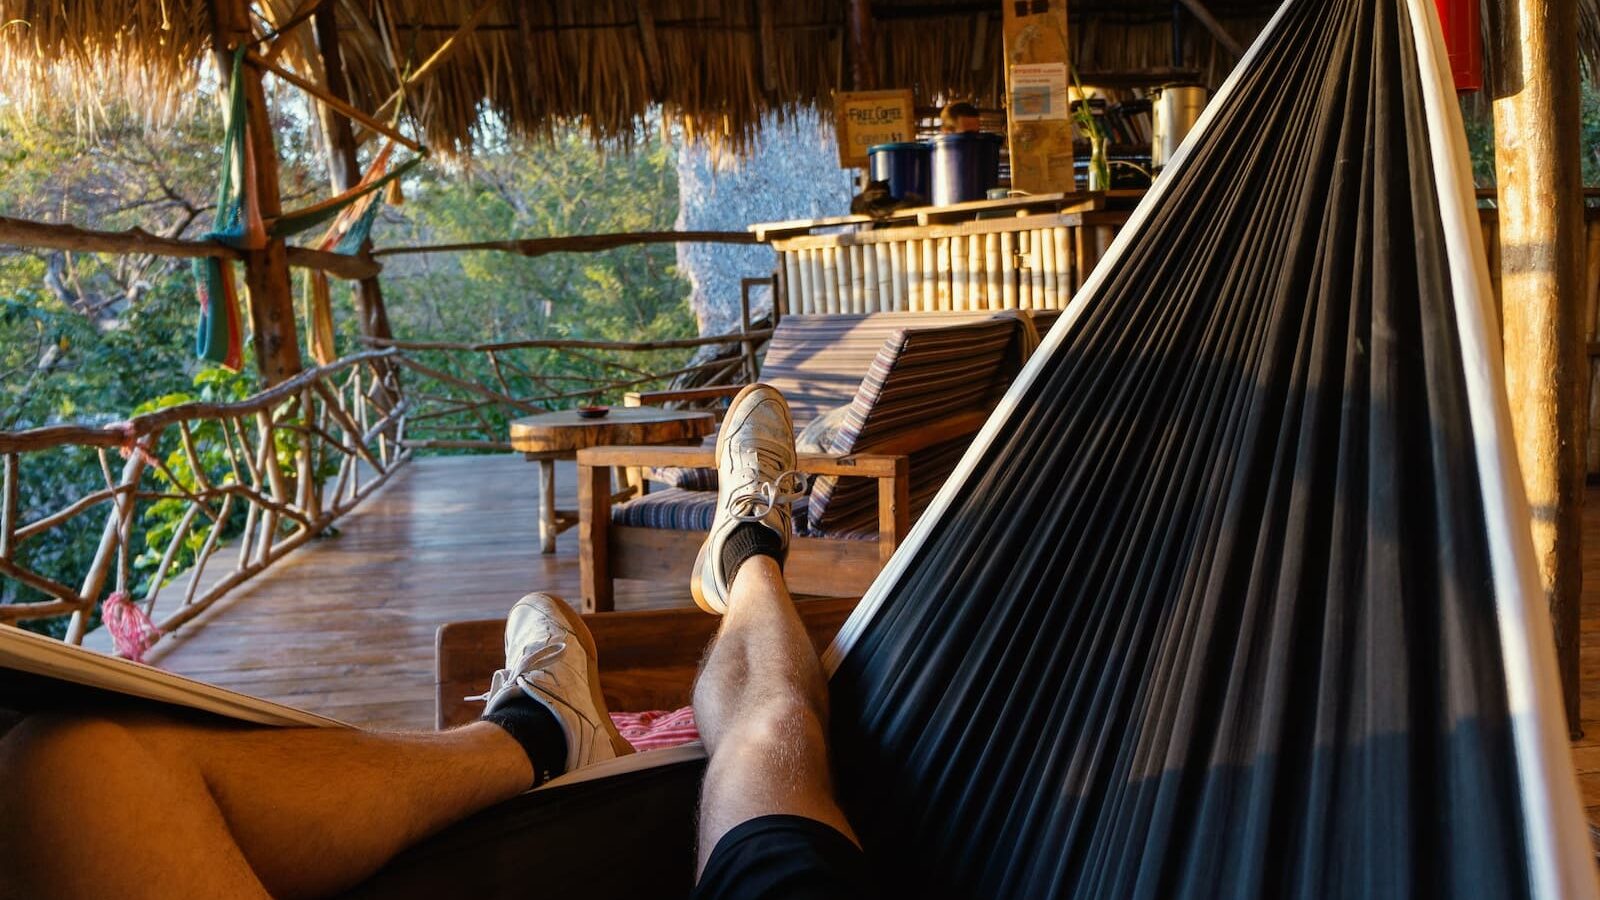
(1234, 594)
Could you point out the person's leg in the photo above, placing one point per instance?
(162, 806)
(761, 705)
(152, 806)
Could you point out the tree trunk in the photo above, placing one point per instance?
(1536, 86)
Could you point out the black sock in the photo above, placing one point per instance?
(539, 732)
(749, 539)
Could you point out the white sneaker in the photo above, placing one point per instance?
(550, 657)
(756, 482)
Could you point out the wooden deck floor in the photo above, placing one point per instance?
(345, 626)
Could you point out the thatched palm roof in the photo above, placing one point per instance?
(716, 66)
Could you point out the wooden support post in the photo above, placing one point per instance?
(594, 539)
(1537, 168)
(343, 167)
(272, 313)
(862, 66)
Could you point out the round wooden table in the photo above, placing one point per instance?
(560, 435)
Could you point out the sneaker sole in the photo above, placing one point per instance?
(696, 584)
(618, 742)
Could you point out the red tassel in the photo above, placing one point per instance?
(132, 632)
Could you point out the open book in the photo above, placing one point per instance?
(37, 672)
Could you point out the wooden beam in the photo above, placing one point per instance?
(272, 311)
(581, 243)
(22, 233)
(1537, 167)
(863, 71)
(1228, 41)
(344, 169)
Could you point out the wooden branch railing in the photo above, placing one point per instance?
(191, 501)
(23, 233)
(261, 476)
(465, 394)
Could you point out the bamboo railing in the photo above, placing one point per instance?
(232, 488)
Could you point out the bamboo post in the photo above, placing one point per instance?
(1008, 266)
(992, 270)
(1024, 271)
(791, 283)
(930, 275)
(1047, 268)
(888, 284)
(272, 312)
(975, 279)
(1037, 241)
(894, 256)
(830, 280)
(942, 274)
(1537, 168)
(1064, 289)
(958, 272)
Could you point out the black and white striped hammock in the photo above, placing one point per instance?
(1234, 596)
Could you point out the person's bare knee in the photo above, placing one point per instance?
(70, 779)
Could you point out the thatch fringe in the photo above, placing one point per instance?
(714, 67)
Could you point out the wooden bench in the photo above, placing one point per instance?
(648, 658)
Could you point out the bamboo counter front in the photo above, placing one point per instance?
(1020, 253)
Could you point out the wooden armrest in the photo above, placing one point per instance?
(860, 465)
(653, 398)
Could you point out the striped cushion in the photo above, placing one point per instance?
(680, 510)
(919, 374)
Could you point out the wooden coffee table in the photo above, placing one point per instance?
(560, 435)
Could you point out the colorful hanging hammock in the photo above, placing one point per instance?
(219, 337)
(239, 224)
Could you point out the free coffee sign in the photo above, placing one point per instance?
(867, 118)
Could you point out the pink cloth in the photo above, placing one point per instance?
(132, 632)
(657, 729)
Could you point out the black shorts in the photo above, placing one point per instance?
(784, 858)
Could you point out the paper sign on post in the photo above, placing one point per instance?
(867, 118)
(1039, 92)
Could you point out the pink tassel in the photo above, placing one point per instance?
(132, 632)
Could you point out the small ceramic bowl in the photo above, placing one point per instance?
(593, 412)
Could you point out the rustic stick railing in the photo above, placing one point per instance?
(264, 475)
(218, 492)
(464, 394)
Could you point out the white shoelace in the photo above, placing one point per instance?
(758, 501)
(534, 658)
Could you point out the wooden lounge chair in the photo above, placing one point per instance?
(917, 386)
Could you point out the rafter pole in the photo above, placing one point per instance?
(862, 70)
(344, 168)
(272, 314)
(1198, 9)
(1539, 174)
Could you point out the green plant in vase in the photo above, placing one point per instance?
(1083, 116)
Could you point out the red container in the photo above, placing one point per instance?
(1463, 36)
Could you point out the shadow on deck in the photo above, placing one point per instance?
(345, 625)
